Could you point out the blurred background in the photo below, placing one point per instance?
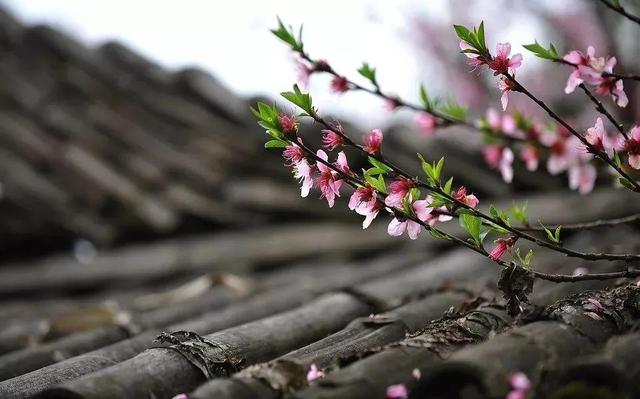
(130, 164)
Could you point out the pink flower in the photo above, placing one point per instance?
(505, 85)
(516, 394)
(342, 165)
(519, 381)
(339, 84)
(331, 140)
(398, 391)
(558, 160)
(501, 158)
(591, 69)
(577, 58)
(292, 154)
(503, 245)
(372, 141)
(181, 396)
(363, 197)
(440, 214)
(501, 63)
(427, 123)
(314, 373)
(328, 180)
(364, 202)
(632, 147)
(302, 171)
(369, 214)
(565, 152)
(398, 189)
(460, 195)
(520, 385)
(582, 177)
(288, 123)
(501, 124)
(530, 155)
(399, 225)
(600, 139)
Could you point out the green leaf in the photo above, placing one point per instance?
(285, 34)
(276, 144)
(475, 39)
(521, 214)
(453, 110)
(472, 225)
(383, 168)
(463, 33)
(302, 100)
(415, 193)
(369, 73)
(424, 98)
(433, 170)
(480, 35)
(377, 183)
(616, 159)
(437, 169)
(548, 54)
(448, 185)
(553, 236)
(526, 261)
(499, 215)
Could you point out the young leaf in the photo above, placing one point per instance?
(472, 225)
(521, 214)
(302, 100)
(480, 36)
(453, 110)
(448, 185)
(286, 35)
(379, 165)
(369, 73)
(275, 144)
(426, 101)
(526, 261)
(548, 54)
(552, 236)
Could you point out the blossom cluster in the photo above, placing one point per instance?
(366, 200)
(595, 71)
(564, 152)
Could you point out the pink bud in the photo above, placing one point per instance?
(339, 84)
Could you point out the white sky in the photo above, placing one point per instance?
(231, 40)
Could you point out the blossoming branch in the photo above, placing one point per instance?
(384, 186)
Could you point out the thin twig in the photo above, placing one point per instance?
(599, 154)
(618, 8)
(600, 108)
